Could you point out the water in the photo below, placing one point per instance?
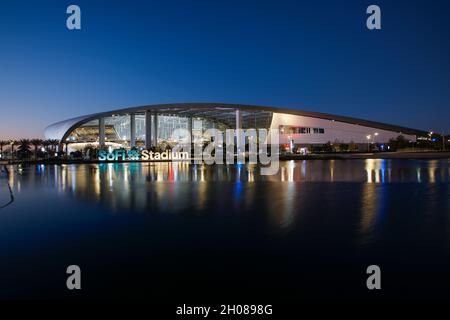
(191, 232)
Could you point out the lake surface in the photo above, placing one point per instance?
(196, 233)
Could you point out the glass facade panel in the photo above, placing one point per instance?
(140, 127)
(87, 132)
(121, 125)
(167, 125)
(118, 127)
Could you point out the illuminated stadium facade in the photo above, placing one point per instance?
(153, 126)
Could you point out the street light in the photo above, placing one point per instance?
(431, 140)
(374, 139)
(368, 141)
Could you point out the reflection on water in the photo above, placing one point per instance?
(311, 212)
(178, 185)
(370, 171)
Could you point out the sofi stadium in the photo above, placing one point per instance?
(152, 126)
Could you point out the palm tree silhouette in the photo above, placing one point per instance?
(2, 144)
(46, 144)
(36, 143)
(54, 143)
(24, 147)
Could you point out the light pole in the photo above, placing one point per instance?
(368, 141)
(431, 140)
(374, 140)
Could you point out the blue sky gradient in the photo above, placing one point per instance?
(315, 55)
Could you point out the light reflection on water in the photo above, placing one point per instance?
(311, 212)
(178, 185)
(370, 171)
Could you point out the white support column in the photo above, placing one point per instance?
(238, 119)
(148, 129)
(190, 129)
(132, 130)
(239, 136)
(155, 130)
(101, 132)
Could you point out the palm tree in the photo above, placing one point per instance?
(24, 147)
(2, 144)
(36, 143)
(54, 143)
(46, 144)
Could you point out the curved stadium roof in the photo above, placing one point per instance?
(219, 111)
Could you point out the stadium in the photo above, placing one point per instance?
(152, 126)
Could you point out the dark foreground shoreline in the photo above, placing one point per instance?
(326, 156)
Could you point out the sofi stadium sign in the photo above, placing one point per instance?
(229, 147)
(144, 155)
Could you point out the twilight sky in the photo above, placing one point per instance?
(311, 55)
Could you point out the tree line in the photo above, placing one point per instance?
(29, 148)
